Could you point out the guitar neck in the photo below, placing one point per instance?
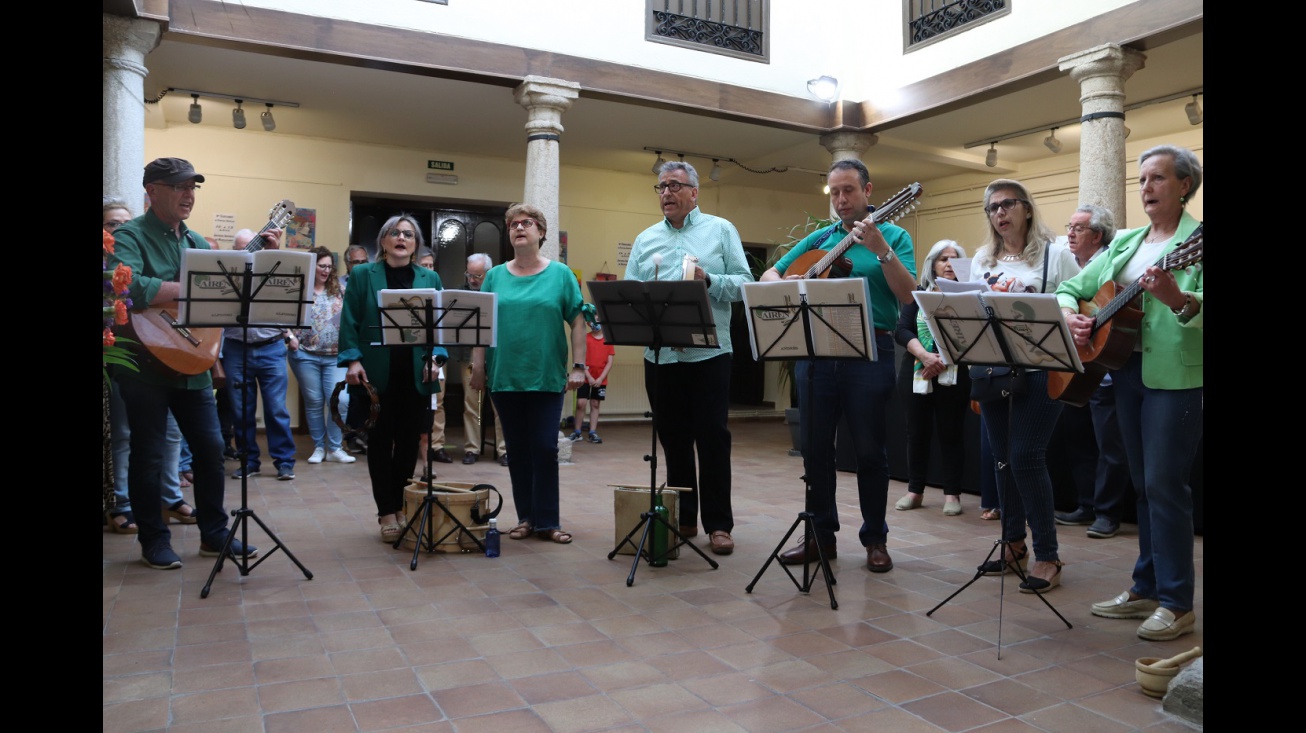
(1187, 253)
(256, 243)
(835, 253)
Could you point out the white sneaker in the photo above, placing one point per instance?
(338, 456)
(318, 455)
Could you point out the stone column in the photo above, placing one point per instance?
(1101, 72)
(846, 146)
(126, 42)
(545, 100)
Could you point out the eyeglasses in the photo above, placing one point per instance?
(327, 266)
(403, 233)
(674, 186)
(1004, 204)
(180, 187)
(357, 262)
(1077, 229)
(111, 225)
(471, 276)
(522, 224)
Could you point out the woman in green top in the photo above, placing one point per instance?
(527, 371)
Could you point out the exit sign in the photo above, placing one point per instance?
(439, 165)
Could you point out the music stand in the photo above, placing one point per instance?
(1016, 330)
(215, 311)
(808, 319)
(411, 319)
(654, 314)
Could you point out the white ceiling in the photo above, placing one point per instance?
(456, 117)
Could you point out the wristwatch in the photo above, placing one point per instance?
(577, 365)
(888, 257)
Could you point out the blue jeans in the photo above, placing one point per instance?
(859, 391)
(1161, 428)
(153, 462)
(988, 468)
(530, 427)
(120, 441)
(1030, 419)
(266, 373)
(317, 375)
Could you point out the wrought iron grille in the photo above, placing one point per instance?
(729, 27)
(930, 20)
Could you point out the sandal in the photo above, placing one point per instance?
(520, 532)
(561, 536)
(174, 511)
(127, 525)
(390, 532)
(999, 567)
(991, 514)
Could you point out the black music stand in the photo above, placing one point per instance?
(656, 313)
(1016, 330)
(423, 324)
(783, 324)
(291, 311)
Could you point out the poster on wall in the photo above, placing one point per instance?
(562, 247)
(623, 254)
(301, 229)
(224, 230)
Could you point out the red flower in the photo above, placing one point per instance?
(108, 243)
(122, 278)
(120, 313)
(108, 337)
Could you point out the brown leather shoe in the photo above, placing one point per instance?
(722, 543)
(688, 530)
(878, 560)
(805, 552)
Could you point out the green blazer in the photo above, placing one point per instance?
(1172, 349)
(359, 317)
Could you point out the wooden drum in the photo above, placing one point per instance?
(460, 499)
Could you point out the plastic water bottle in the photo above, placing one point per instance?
(661, 537)
(492, 539)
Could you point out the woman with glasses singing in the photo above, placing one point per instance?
(312, 355)
(1019, 255)
(404, 381)
(527, 372)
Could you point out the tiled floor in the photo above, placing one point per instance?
(549, 637)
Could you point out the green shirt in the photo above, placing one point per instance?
(884, 304)
(532, 349)
(153, 252)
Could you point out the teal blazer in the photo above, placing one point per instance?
(360, 320)
(1172, 349)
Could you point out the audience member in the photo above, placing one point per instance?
(599, 356)
(353, 402)
(474, 402)
(313, 360)
(689, 388)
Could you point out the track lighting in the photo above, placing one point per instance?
(657, 164)
(269, 124)
(1052, 143)
(991, 159)
(1194, 112)
(824, 88)
(715, 174)
(238, 116)
(196, 113)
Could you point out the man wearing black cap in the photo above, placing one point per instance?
(151, 245)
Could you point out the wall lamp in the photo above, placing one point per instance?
(991, 157)
(824, 88)
(1194, 111)
(1052, 143)
(196, 113)
(657, 164)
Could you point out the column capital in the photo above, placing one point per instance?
(129, 38)
(844, 145)
(1108, 59)
(545, 99)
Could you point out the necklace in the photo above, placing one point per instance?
(1010, 258)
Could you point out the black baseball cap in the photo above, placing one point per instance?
(170, 170)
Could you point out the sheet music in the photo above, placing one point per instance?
(462, 317)
(1046, 341)
(209, 297)
(280, 299)
(964, 330)
(961, 326)
(953, 286)
(276, 300)
(840, 318)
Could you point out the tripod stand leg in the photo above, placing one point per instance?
(809, 577)
(279, 545)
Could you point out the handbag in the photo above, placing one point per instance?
(989, 383)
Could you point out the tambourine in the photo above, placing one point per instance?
(477, 517)
(373, 400)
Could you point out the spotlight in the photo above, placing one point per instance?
(196, 114)
(824, 88)
(269, 124)
(825, 186)
(1127, 131)
(991, 159)
(1052, 143)
(238, 116)
(657, 164)
(716, 170)
(1194, 112)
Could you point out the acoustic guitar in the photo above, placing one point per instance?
(171, 347)
(821, 263)
(1116, 318)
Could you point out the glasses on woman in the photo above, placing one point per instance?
(403, 233)
(1004, 205)
(111, 225)
(522, 224)
(673, 186)
(327, 266)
